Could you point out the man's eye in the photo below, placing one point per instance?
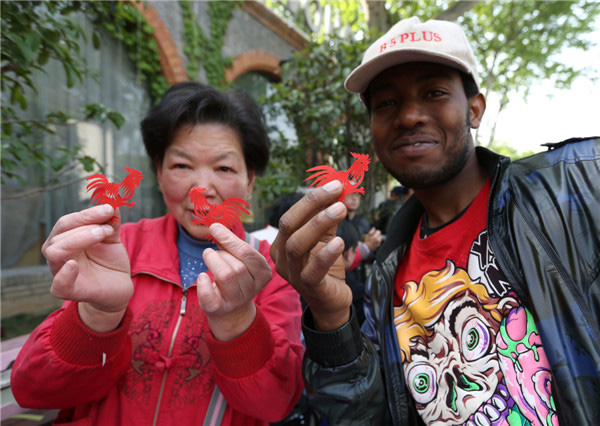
(180, 166)
(435, 93)
(225, 169)
(385, 103)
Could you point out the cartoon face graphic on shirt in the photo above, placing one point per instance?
(458, 351)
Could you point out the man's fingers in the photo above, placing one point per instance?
(312, 203)
(320, 229)
(321, 261)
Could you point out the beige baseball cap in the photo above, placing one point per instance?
(411, 40)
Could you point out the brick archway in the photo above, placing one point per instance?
(171, 61)
(254, 60)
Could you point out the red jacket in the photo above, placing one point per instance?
(161, 367)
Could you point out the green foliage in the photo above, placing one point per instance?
(123, 22)
(201, 49)
(517, 42)
(329, 121)
(32, 34)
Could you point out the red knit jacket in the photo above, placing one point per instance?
(161, 367)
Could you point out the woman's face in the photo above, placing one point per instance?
(205, 155)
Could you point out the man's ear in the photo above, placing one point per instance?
(476, 109)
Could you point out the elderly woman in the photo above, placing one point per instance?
(134, 342)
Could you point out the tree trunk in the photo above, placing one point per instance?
(376, 16)
(457, 10)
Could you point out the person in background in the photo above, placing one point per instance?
(349, 235)
(279, 207)
(483, 303)
(160, 325)
(388, 208)
(370, 237)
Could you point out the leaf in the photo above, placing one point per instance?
(57, 163)
(16, 96)
(87, 163)
(96, 40)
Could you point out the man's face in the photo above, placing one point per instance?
(352, 202)
(421, 121)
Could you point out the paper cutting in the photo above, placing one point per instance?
(228, 213)
(351, 178)
(115, 194)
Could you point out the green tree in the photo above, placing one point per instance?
(32, 34)
(515, 42)
(35, 32)
(330, 122)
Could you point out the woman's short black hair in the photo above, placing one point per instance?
(192, 103)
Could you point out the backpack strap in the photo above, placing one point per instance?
(216, 408)
(254, 242)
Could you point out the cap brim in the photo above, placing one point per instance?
(361, 77)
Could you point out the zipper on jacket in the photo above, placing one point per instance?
(183, 303)
(169, 353)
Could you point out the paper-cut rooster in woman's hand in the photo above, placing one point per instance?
(228, 213)
(351, 178)
(115, 194)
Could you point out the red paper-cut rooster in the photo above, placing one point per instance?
(228, 213)
(115, 194)
(351, 178)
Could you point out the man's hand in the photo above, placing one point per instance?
(90, 265)
(373, 239)
(307, 253)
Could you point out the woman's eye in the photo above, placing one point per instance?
(180, 166)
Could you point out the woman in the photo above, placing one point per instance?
(134, 343)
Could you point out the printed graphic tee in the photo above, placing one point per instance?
(471, 353)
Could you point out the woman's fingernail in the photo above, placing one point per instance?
(332, 186)
(216, 228)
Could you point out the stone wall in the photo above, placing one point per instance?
(27, 291)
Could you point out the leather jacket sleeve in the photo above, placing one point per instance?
(342, 374)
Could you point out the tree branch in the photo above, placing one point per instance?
(34, 191)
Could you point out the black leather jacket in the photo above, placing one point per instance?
(544, 228)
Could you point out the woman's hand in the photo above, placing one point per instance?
(307, 253)
(240, 273)
(90, 266)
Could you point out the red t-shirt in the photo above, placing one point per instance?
(470, 350)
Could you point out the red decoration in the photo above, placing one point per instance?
(228, 213)
(351, 178)
(115, 194)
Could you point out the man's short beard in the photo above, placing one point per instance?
(433, 177)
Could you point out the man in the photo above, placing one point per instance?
(388, 208)
(483, 302)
